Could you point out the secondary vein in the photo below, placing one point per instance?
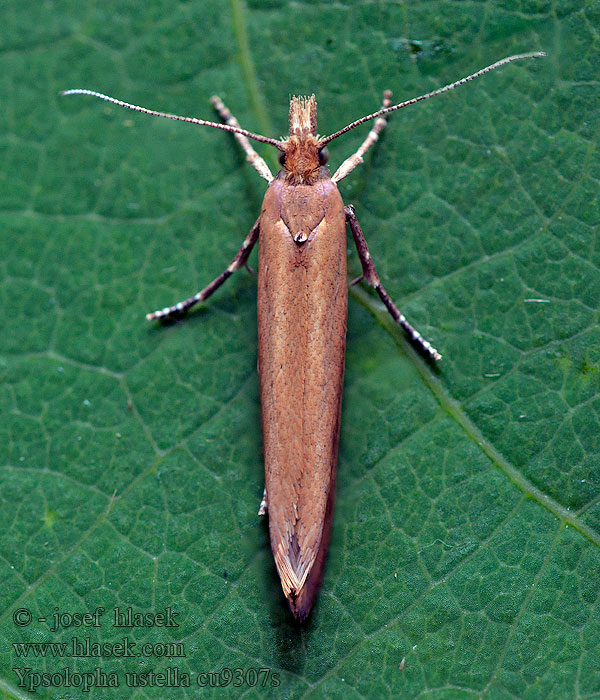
(454, 409)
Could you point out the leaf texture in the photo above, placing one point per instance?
(465, 554)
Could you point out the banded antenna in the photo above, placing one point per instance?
(324, 141)
(190, 120)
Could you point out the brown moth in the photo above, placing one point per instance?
(302, 313)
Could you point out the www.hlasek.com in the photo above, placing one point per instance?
(85, 647)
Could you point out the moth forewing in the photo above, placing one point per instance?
(302, 312)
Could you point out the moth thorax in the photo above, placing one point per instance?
(303, 116)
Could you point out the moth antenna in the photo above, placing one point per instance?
(434, 93)
(190, 120)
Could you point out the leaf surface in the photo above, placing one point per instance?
(465, 552)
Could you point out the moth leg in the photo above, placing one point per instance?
(263, 504)
(239, 261)
(357, 158)
(370, 275)
(251, 155)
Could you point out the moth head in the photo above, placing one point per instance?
(302, 153)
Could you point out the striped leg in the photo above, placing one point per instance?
(357, 158)
(370, 275)
(236, 263)
(263, 504)
(251, 155)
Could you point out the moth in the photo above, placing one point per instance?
(302, 314)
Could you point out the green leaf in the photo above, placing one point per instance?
(464, 560)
